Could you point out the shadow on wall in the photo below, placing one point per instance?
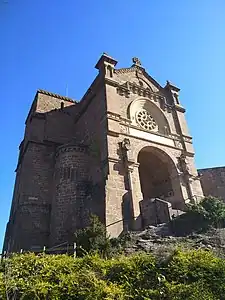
(127, 212)
(130, 223)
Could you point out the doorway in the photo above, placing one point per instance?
(155, 171)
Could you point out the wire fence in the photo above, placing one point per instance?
(71, 248)
(63, 248)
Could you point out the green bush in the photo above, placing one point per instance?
(210, 212)
(197, 267)
(213, 210)
(93, 238)
(186, 275)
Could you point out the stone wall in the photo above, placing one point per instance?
(70, 201)
(91, 128)
(60, 126)
(50, 122)
(155, 211)
(29, 218)
(213, 181)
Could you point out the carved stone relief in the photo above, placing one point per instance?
(178, 144)
(123, 129)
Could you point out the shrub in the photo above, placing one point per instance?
(189, 275)
(93, 238)
(197, 268)
(210, 212)
(213, 210)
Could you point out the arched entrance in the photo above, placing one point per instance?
(158, 176)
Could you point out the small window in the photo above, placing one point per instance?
(62, 105)
(176, 97)
(109, 71)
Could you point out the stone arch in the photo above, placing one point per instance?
(158, 175)
(139, 104)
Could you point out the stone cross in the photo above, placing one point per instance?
(136, 61)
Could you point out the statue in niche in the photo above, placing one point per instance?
(182, 165)
(126, 144)
(166, 130)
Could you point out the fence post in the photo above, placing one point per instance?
(74, 250)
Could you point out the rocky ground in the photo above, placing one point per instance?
(159, 240)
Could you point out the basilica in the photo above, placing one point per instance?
(122, 152)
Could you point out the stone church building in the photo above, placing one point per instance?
(123, 152)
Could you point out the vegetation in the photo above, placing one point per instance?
(210, 212)
(102, 271)
(94, 239)
(185, 275)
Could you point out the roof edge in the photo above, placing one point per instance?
(56, 96)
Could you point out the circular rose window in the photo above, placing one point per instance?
(146, 121)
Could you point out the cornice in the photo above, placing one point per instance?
(125, 70)
(113, 159)
(128, 88)
(179, 108)
(126, 123)
(131, 87)
(111, 82)
(187, 138)
(113, 116)
(72, 148)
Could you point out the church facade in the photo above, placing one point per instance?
(125, 142)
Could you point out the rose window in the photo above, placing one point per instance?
(146, 121)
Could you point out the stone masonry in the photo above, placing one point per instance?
(213, 182)
(125, 142)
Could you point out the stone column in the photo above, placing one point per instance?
(191, 179)
(136, 193)
(114, 192)
(134, 186)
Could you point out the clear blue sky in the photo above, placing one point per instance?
(49, 44)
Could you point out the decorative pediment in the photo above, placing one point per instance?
(128, 88)
(136, 74)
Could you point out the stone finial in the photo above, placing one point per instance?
(136, 61)
(171, 86)
(105, 58)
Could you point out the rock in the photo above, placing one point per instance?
(160, 241)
